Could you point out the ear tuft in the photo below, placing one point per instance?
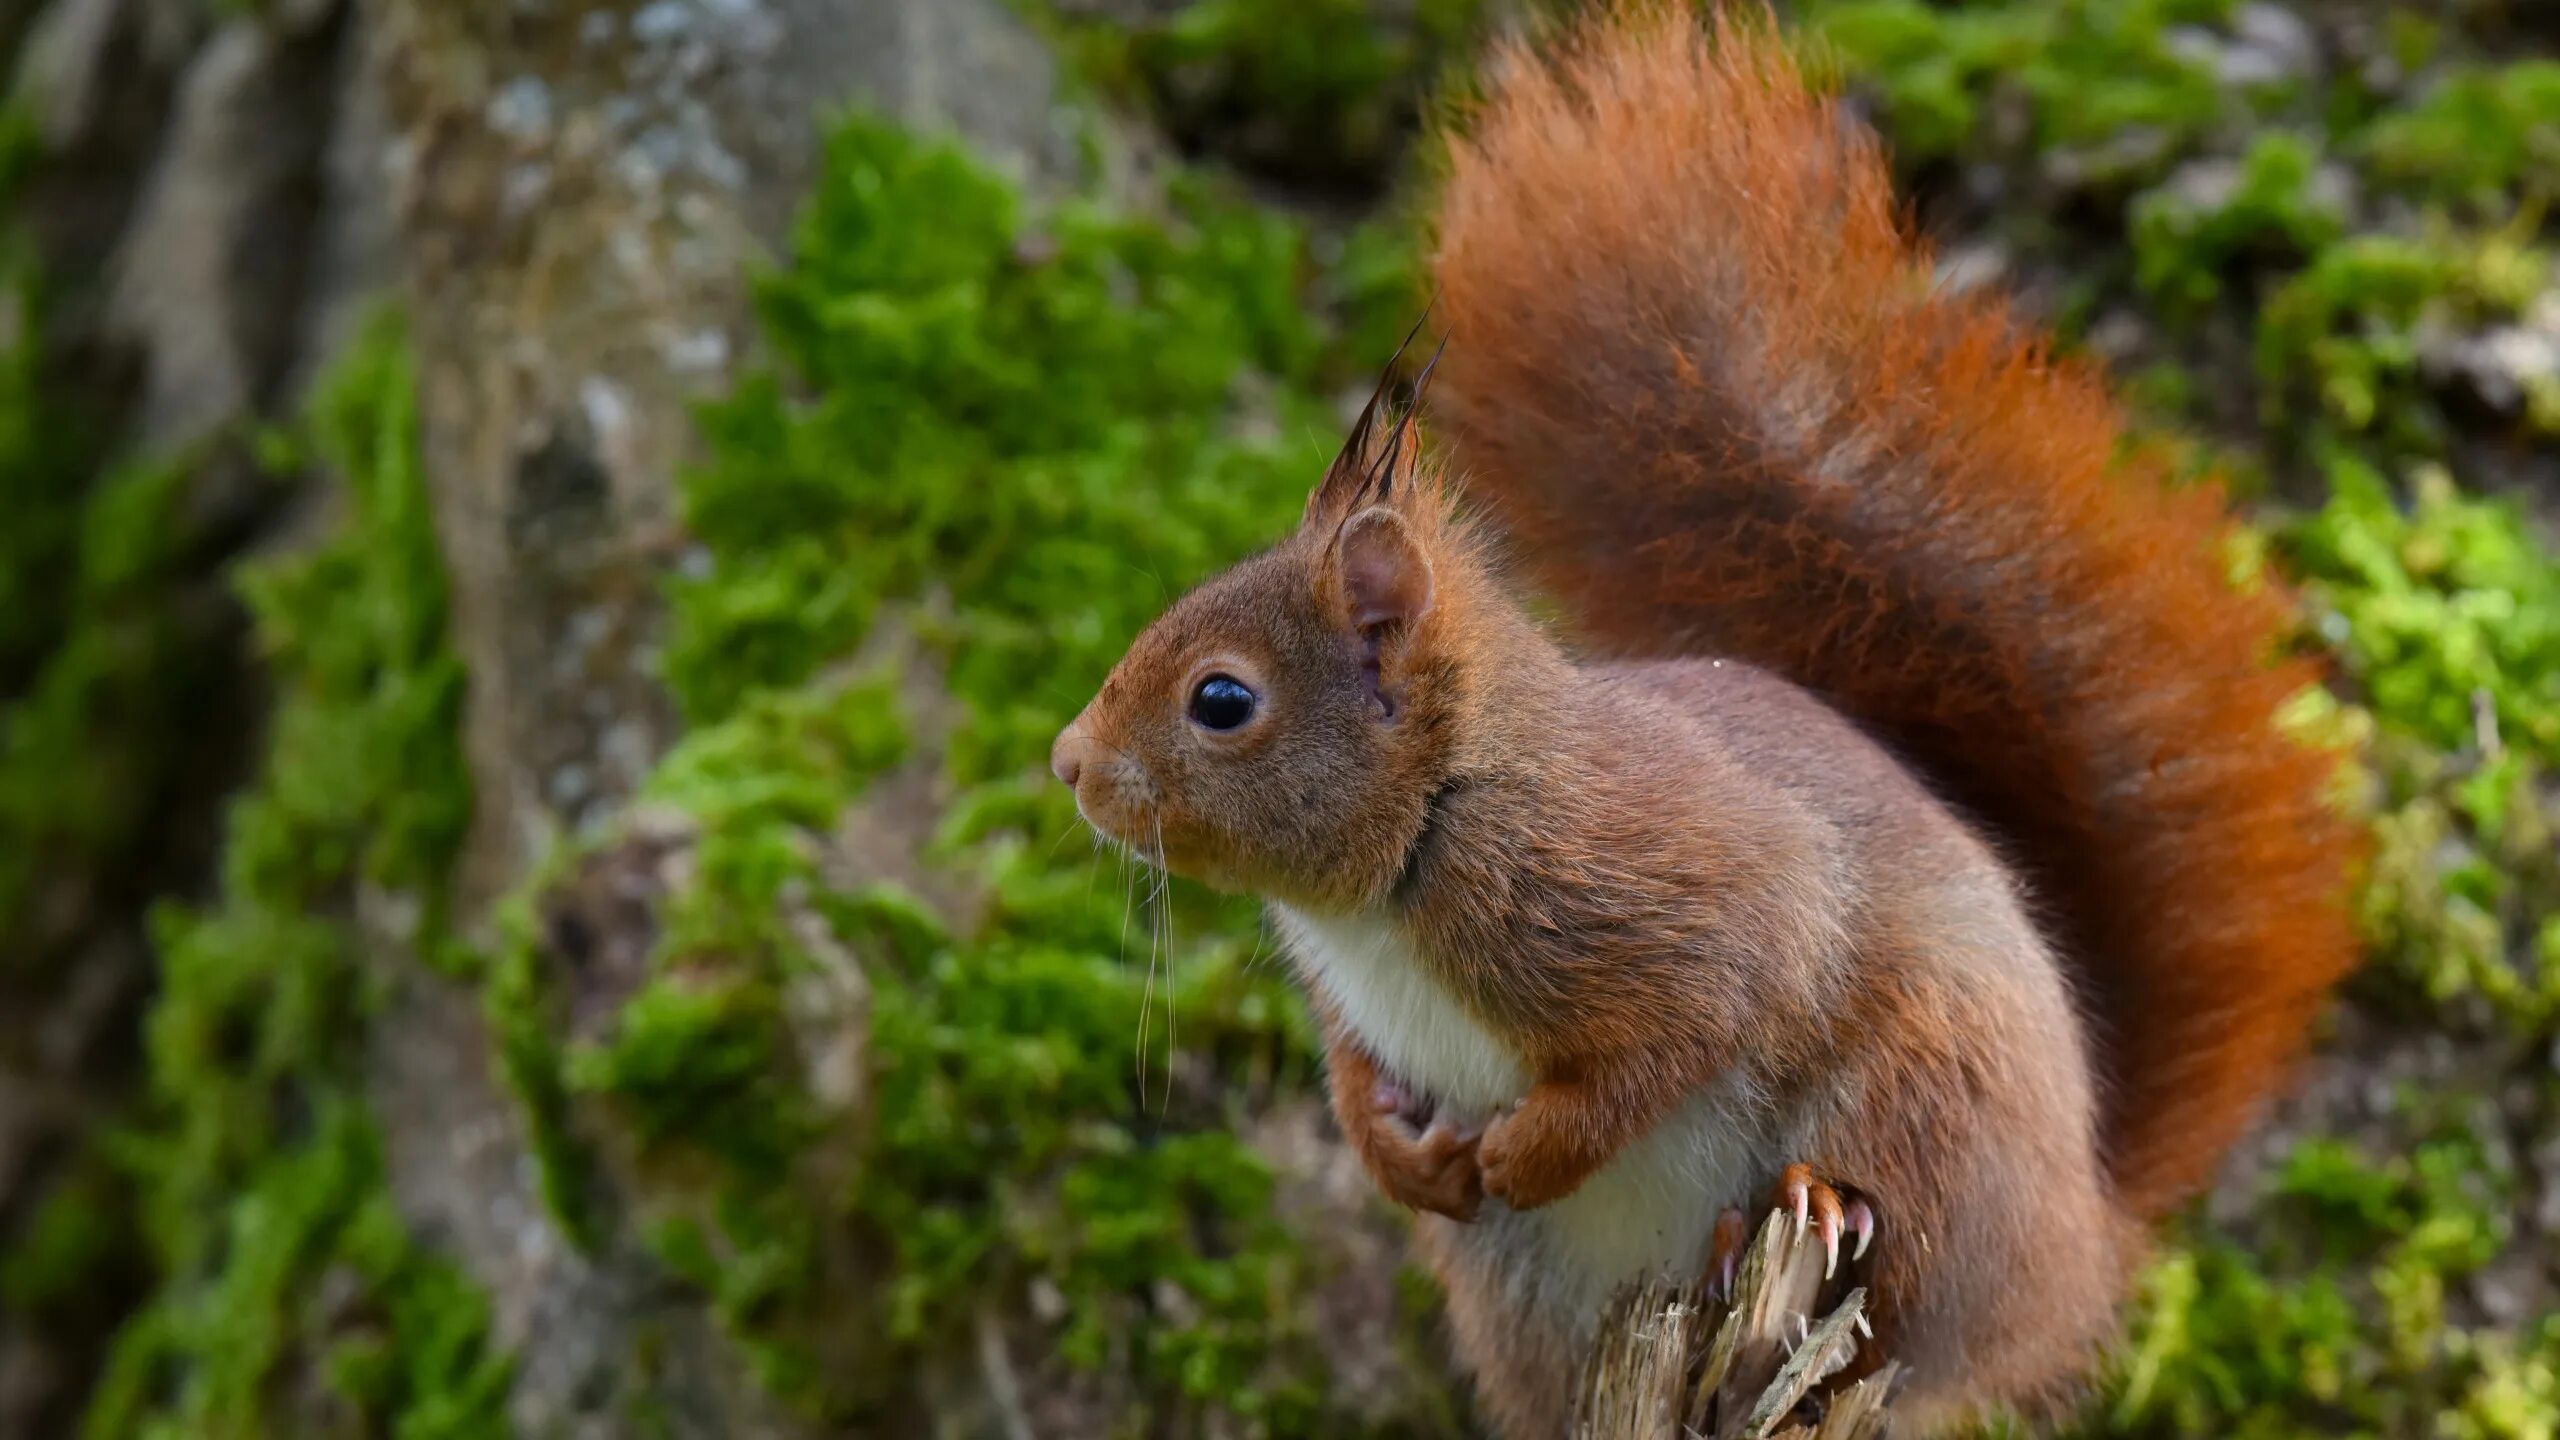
(1385, 576)
(1367, 464)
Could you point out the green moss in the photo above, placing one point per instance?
(377, 790)
(90, 748)
(1012, 436)
(2478, 136)
(753, 1256)
(2448, 610)
(2445, 614)
(783, 762)
(1320, 89)
(2104, 99)
(2344, 332)
(97, 664)
(522, 1023)
(113, 679)
(696, 1071)
(1084, 348)
(289, 1293)
(694, 1063)
(308, 1265)
(2086, 76)
(2182, 249)
(2222, 1347)
(66, 1246)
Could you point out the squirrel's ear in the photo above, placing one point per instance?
(1386, 579)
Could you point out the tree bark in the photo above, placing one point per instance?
(582, 195)
(568, 202)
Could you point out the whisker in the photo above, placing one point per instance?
(1128, 907)
(1261, 947)
(1147, 1002)
(1164, 912)
(1164, 592)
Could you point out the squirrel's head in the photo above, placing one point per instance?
(1283, 728)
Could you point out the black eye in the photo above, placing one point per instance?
(1221, 702)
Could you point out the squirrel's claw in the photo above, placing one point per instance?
(1861, 1220)
(1818, 1207)
(1724, 1263)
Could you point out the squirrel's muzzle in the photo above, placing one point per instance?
(1070, 752)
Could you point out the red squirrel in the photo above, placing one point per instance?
(1898, 826)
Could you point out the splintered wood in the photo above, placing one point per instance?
(1672, 1364)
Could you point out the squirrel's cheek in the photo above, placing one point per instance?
(1222, 880)
(1184, 853)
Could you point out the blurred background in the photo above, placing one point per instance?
(542, 543)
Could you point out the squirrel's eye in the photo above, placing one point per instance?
(1221, 702)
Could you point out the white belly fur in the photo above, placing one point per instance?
(1649, 1211)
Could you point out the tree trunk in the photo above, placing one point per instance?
(583, 193)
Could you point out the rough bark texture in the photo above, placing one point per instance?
(197, 254)
(569, 201)
(582, 194)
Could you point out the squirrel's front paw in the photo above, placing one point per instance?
(1524, 1164)
(1420, 1160)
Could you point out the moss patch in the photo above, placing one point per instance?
(1310, 90)
(290, 1298)
(1017, 435)
(97, 658)
(116, 683)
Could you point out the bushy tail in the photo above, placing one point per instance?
(1701, 376)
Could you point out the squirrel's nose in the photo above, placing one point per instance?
(1066, 758)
